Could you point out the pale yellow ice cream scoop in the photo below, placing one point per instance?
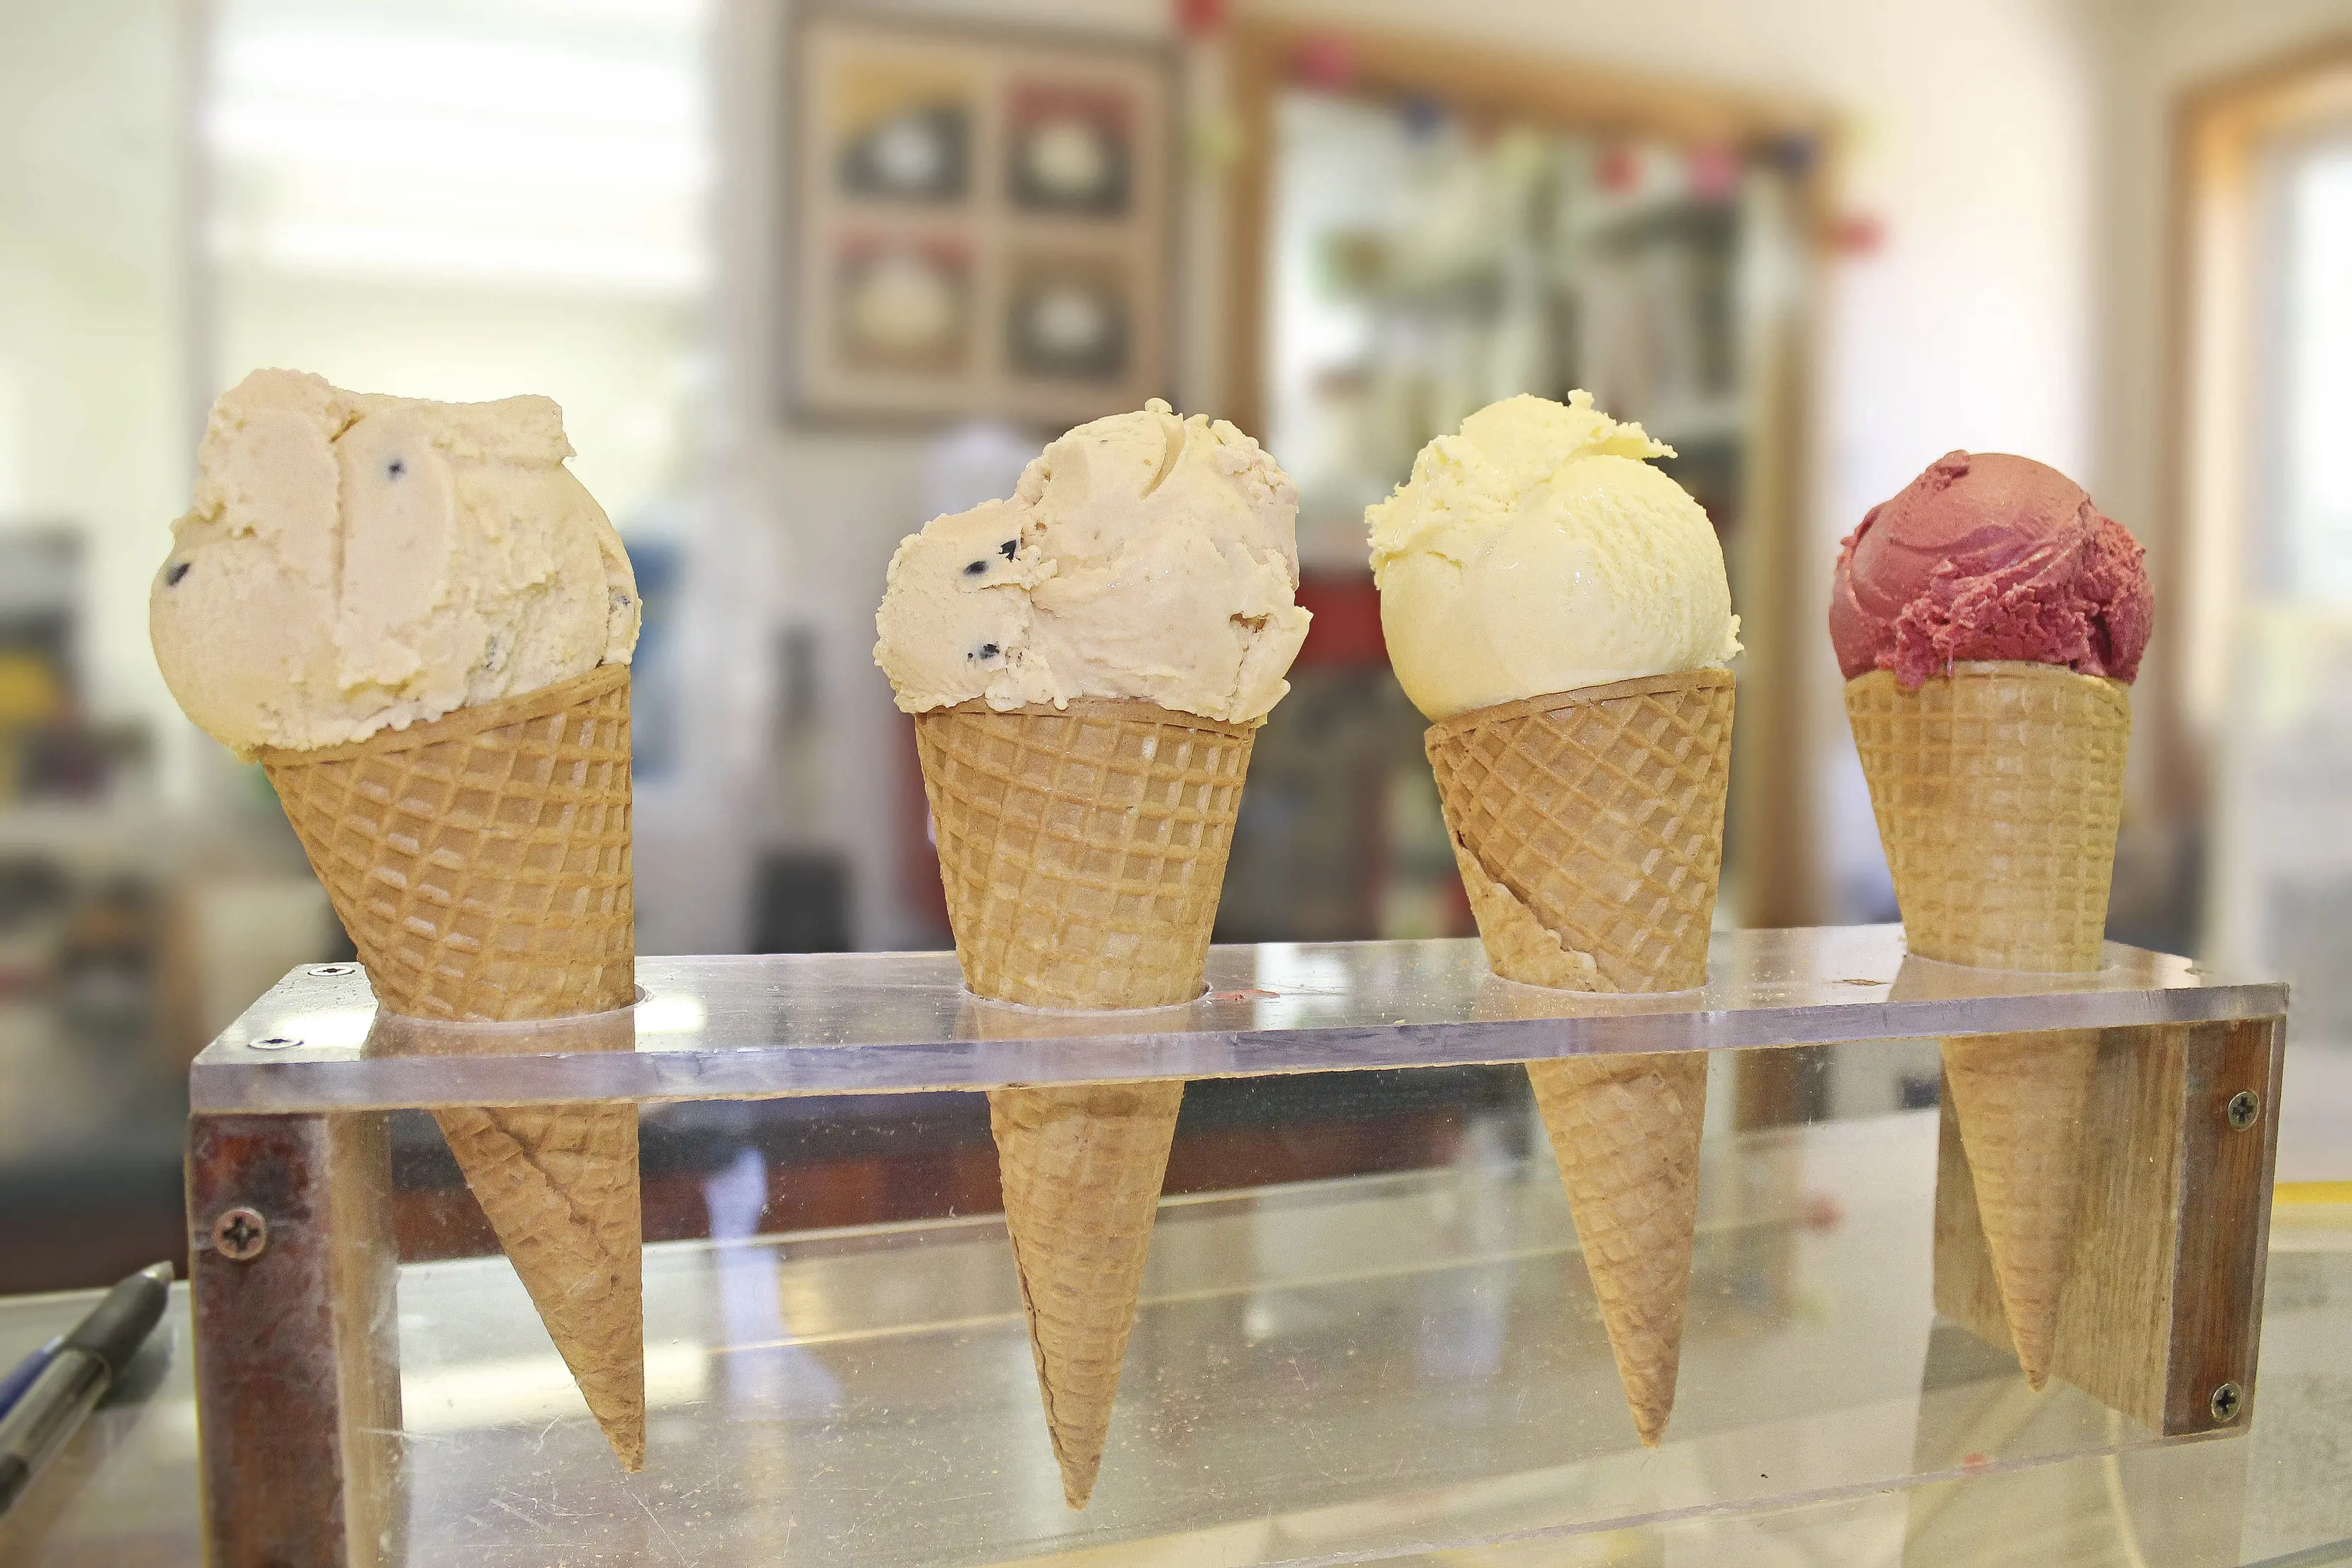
(1538, 550)
(355, 563)
(1142, 556)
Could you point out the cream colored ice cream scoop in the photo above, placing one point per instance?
(355, 563)
(1142, 556)
(1538, 550)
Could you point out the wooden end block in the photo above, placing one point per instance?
(2162, 1305)
(292, 1272)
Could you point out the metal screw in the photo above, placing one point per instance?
(2245, 1110)
(276, 1043)
(240, 1234)
(2226, 1401)
(328, 971)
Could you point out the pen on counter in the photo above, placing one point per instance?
(20, 1376)
(76, 1376)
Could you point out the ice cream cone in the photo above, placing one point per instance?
(1589, 829)
(2019, 1100)
(480, 863)
(1082, 1168)
(1083, 848)
(1624, 1131)
(1083, 851)
(560, 1187)
(1997, 789)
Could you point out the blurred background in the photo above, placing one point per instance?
(803, 276)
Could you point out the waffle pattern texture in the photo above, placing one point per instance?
(1588, 826)
(1083, 850)
(1589, 829)
(481, 864)
(2021, 1100)
(1997, 789)
(1625, 1132)
(481, 861)
(1082, 1169)
(560, 1187)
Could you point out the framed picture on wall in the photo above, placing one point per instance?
(978, 222)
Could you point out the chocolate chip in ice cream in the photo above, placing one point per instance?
(987, 651)
(179, 569)
(1140, 557)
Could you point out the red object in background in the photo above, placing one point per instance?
(1857, 233)
(1714, 172)
(1346, 630)
(1326, 60)
(1199, 19)
(1618, 169)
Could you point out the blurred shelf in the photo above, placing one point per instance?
(113, 835)
(1695, 422)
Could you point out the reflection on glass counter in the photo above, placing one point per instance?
(1405, 1369)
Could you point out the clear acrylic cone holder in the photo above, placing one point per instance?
(1363, 1369)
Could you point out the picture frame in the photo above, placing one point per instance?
(978, 222)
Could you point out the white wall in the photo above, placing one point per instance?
(91, 348)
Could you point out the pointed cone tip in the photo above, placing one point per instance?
(549, 1239)
(1082, 1172)
(1079, 1469)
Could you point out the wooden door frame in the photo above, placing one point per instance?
(2221, 131)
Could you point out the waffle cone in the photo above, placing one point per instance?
(1588, 826)
(2019, 1100)
(1997, 789)
(1589, 829)
(1625, 1133)
(1083, 851)
(560, 1187)
(1082, 1169)
(480, 863)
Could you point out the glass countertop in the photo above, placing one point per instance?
(1400, 1369)
(716, 1028)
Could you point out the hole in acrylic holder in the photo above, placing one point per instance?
(394, 1034)
(973, 999)
(1502, 998)
(2107, 966)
